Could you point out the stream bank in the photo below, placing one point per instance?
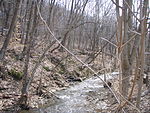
(88, 96)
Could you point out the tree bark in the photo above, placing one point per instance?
(24, 91)
(142, 51)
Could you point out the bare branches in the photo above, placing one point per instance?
(116, 4)
(132, 11)
(128, 40)
(135, 32)
(108, 41)
(127, 101)
(95, 73)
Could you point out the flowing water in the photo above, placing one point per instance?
(88, 96)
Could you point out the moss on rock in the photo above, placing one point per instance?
(15, 74)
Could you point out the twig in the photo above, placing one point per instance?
(108, 41)
(128, 40)
(132, 11)
(135, 32)
(129, 102)
(116, 4)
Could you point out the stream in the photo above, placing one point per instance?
(88, 96)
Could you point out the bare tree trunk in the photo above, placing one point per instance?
(24, 20)
(24, 96)
(125, 52)
(9, 35)
(142, 50)
(27, 33)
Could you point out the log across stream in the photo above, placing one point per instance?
(88, 96)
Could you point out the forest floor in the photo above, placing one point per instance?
(58, 71)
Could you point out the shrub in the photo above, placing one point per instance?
(15, 74)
